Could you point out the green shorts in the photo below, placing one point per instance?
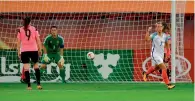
(53, 58)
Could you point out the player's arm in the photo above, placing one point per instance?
(62, 52)
(18, 47)
(45, 44)
(18, 43)
(147, 36)
(38, 42)
(167, 46)
(61, 46)
(44, 50)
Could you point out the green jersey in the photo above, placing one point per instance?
(53, 45)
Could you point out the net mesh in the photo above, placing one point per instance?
(114, 31)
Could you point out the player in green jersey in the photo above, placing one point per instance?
(53, 52)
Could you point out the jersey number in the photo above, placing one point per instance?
(161, 43)
(28, 33)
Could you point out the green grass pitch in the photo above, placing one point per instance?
(97, 92)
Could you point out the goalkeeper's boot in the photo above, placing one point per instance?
(170, 86)
(39, 87)
(145, 76)
(63, 81)
(29, 88)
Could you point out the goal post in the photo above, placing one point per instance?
(173, 39)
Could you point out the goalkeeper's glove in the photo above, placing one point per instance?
(46, 58)
(61, 61)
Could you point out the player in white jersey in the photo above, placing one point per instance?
(159, 41)
(158, 44)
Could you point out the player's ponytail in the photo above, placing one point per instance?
(26, 22)
(166, 28)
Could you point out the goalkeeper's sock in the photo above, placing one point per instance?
(27, 75)
(37, 74)
(164, 76)
(150, 70)
(62, 74)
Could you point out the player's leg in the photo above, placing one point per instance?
(169, 74)
(61, 67)
(38, 75)
(23, 78)
(166, 62)
(62, 72)
(25, 60)
(43, 68)
(151, 69)
(35, 58)
(44, 64)
(164, 73)
(160, 71)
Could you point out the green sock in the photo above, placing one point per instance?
(62, 74)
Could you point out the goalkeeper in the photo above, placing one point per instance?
(53, 51)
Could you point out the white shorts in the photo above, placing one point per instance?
(156, 60)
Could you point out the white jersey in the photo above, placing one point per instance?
(158, 43)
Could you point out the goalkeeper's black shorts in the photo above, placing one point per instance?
(30, 55)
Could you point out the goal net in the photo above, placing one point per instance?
(113, 31)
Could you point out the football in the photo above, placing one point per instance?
(90, 55)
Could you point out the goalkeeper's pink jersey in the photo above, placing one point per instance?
(28, 39)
